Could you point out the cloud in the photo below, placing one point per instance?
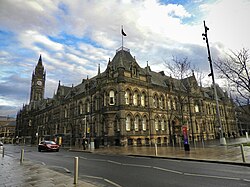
(17, 15)
(75, 36)
(227, 22)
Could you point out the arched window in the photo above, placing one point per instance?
(174, 104)
(144, 123)
(136, 123)
(80, 108)
(87, 106)
(143, 98)
(162, 125)
(169, 105)
(155, 101)
(135, 98)
(161, 102)
(65, 112)
(156, 124)
(127, 93)
(196, 108)
(128, 123)
(111, 97)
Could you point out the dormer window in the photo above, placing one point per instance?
(111, 97)
(134, 70)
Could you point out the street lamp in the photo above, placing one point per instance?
(205, 37)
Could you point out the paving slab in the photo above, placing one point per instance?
(29, 174)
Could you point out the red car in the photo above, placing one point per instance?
(48, 146)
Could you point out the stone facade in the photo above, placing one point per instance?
(124, 105)
(7, 129)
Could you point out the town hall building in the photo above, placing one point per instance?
(126, 105)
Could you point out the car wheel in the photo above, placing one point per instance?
(39, 150)
(57, 150)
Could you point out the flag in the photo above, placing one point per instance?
(123, 33)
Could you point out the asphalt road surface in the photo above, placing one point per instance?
(128, 171)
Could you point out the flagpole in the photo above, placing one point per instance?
(122, 37)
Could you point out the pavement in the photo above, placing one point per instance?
(30, 174)
(13, 173)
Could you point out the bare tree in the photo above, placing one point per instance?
(236, 69)
(181, 70)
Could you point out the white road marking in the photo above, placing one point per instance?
(111, 182)
(168, 170)
(101, 178)
(92, 177)
(114, 162)
(137, 165)
(83, 158)
(211, 176)
(159, 168)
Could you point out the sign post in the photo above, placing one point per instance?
(185, 138)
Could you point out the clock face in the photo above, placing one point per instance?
(39, 83)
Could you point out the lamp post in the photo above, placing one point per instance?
(205, 37)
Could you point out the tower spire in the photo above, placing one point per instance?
(40, 62)
(99, 71)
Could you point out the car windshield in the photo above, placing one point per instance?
(50, 142)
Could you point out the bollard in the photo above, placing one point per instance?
(156, 153)
(242, 153)
(22, 154)
(3, 152)
(76, 170)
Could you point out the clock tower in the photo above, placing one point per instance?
(38, 82)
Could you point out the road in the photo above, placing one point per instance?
(128, 171)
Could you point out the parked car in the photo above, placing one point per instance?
(48, 146)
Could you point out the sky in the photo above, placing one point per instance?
(74, 36)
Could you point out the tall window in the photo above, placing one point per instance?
(155, 101)
(144, 124)
(143, 99)
(196, 108)
(80, 108)
(111, 97)
(161, 102)
(174, 104)
(65, 113)
(96, 103)
(135, 99)
(169, 104)
(162, 125)
(127, 97)
(156, 124)
(136, 123)
(87, 106)
(128, 123)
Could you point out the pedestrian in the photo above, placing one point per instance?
(84, 143)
